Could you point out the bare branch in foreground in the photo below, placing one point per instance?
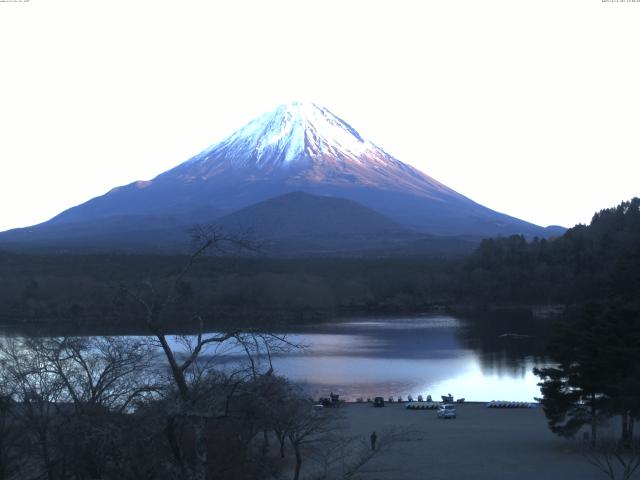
(615, 460)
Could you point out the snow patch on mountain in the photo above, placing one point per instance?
(305, 145)
(297, 147)
(292, 132)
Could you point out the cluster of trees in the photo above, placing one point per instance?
(104, 408)
(588, 263)
(78, 290)
(161, 407)
(597, 349)
(597, 376)
(584, 264)
(595, 270)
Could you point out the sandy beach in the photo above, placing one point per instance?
(481, 443)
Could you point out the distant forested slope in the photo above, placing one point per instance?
(599, 262)
(588, 263)
(81, 289)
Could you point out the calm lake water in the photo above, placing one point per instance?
(480, 359)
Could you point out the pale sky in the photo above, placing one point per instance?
(530, 107)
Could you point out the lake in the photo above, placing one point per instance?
(480, 359)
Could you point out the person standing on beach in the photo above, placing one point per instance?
(374, 437)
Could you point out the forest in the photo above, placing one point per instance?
(81, 291)
(597, 263)
(103, 407)
(588, 263)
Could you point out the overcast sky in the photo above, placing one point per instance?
(529, 107)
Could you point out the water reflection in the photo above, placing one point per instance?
(503, 339)
(473, 358)
(480, 358)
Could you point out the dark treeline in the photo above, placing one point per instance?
(594, 269)
(80, 289)
(597, 376)
(163, 407)
(589, 262)
(99, 407)
(597, 349)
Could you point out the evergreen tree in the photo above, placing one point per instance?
(574, 392)
(598, 371)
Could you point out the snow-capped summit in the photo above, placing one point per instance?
(296, 147)
(304, 143)
(291, 133)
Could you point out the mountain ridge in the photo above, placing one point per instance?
(302, 214)
(295, 147)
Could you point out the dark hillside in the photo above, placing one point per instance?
(80, 290)
(588, 263)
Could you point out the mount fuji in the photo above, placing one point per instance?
(298, 147)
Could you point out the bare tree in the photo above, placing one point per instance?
(105, 372)
(306, 427)
(72, 394)
(10, 458)
(101, 379)
(38, 394)
(614, 459)
(280, 404)
(201, 394)
(80, 397)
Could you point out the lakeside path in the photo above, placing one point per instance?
(482, 443)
